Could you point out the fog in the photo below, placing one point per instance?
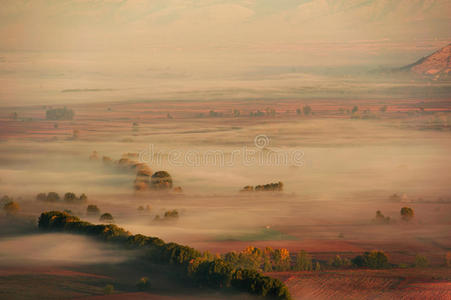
(57, 249)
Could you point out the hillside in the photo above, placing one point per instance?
(436, 66)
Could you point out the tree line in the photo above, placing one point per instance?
(271, 187)
(68, 197)
(202, 269)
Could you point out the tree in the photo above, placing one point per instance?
(107, 218)
(421, 261)
(53, 197)
(41, 197)
(407, 214)
(161, 180)
(70, 197)
(383, 108)
(11, 208)
(355, 109)
(303, 262)
(83, 198)
(92, 210)
(372, 260)
(307, 110)
(338, 262)
(5, 199)
(317, 266)
(60, 114)
(236, 113)
(381, 219)
(298, 111)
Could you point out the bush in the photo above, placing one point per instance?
(372, 260)
(407, 214)
(143, 284)
(420, 261)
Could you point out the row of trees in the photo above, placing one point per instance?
(59, 114)
(407, 215)
(68, 197)
(145, 178)
(272, 187)
(168, 216)
(201, 268)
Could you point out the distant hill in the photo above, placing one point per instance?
(436, 66)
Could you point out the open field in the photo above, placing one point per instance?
(349, 169)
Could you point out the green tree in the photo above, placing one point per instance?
(355, 109)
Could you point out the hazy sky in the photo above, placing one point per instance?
(210, 24)
(144, 47)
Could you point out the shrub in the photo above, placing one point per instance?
(106, 217)
(143, 284)
(372, 260)
(421, 261)
(92, 210)
(407, 214)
